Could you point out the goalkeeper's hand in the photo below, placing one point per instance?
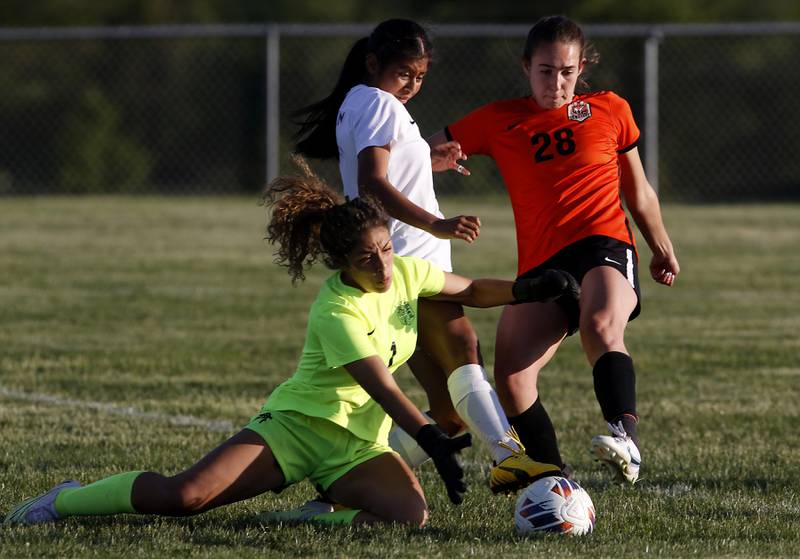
(444, 452)
(546, 286)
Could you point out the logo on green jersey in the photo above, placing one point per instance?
(263, 416)
(405, 313)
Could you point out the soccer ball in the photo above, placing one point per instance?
(554, 504)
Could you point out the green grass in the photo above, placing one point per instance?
(173, 306)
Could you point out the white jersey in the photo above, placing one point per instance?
(372, 117)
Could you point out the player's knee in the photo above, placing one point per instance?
(464, 343)
(517, 382)
(602, 327)
(405, 507)
(421, 518)
(414, 513)
(188, 498)
(517, 391)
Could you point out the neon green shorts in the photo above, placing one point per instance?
(312, 447)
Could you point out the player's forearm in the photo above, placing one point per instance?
(396, 204)
(646, 212)
(438, 137)
(482, 293)
(402, 411)
(375, 378)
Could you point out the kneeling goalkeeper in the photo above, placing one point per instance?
(329, 422)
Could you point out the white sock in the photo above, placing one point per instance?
(476, 403)
(406, 446)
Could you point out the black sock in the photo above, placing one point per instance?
(629, 424)
(536, 432)
(615, 388)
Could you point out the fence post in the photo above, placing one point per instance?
(651, 105)
(272, 116)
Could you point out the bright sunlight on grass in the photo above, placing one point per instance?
(118, 314)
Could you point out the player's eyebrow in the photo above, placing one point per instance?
(542, 64)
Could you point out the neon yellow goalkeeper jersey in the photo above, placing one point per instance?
(345, 325)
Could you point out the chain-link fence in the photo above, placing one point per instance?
(188, 109)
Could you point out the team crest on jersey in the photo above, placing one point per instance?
(579, 111)
(405, 314)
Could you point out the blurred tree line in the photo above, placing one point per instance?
(141, 12)
(187, 114)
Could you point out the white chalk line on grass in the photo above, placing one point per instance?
(218, 425)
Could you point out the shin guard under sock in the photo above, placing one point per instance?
(537, 433)
(111, 495)
(615, 388)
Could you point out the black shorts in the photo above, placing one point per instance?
(591, 252)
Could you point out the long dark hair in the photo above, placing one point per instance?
(391, 41)
(310, 221)
(560, 29)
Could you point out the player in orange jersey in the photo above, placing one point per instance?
(564, 158)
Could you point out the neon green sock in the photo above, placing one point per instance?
(344, 516)
(111, 495)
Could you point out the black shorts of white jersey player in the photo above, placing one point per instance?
(591, 252)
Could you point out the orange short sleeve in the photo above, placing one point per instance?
(472, 131)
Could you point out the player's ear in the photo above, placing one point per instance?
(581, 65)
(526, 66)
(372, 64)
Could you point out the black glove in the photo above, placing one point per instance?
(443, 450)
(546, 286)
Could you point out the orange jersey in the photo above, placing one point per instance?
(560, 167)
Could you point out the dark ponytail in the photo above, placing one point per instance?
(391, 41)
(318, 131)
(309, 221)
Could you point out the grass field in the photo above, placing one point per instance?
(120, 317)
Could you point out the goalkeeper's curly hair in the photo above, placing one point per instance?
(309, 221)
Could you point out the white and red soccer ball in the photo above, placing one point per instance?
(554, 504)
